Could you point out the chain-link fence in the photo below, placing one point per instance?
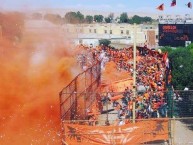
(76, 93)
(173, 108)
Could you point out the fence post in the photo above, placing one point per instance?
(75, 95)
(174, 127)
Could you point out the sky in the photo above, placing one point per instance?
(142, 6)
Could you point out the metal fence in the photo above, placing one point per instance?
(179, 118)
(77, 92)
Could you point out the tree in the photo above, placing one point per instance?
(108, 20)
(190, 48)
(111, 16)
(147, 19)
(182, 63)
(70, 17)
(74, 18)
(54, 18)
(89, 19)
(117, 19)
(80, 17)
(104, 42)
(137, 19)
(98, 18)
(124, 18)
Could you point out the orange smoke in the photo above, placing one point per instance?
(31, 75)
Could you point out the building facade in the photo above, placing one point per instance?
(116, 33)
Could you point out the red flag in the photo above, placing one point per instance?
(161, 7)
(173, 3)
(189, 5)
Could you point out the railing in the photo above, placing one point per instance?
(77, 93)
(180, 103)
(178, 123)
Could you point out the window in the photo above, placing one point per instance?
(90, 30)
(105, 31)
(156, 36)
(111, 32)
(127, 32)
(94, 30)
(121, 31)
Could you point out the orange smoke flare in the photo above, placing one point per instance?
(32, 74)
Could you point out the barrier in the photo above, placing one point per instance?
(81, 97)
(142, 132)
(77, 93)
(151, 131)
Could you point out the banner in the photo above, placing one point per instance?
(128, 134)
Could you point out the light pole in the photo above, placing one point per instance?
(134, 71)
(110, 30)
(1, 33)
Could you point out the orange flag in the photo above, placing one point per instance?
(161, 7)
(173, 3)
(189, 5)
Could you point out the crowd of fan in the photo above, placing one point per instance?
(151, 75)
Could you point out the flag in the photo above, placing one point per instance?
(173, 3)
(189, 5)
(161, 7)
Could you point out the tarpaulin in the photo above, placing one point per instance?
(118, 86)
(128, 134)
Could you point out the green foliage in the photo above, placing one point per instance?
(139, 20)
(147, 19)
(111, 16)
(74, 18)
(166, 49)
(98, 18)
(135, 19)
(89, 19)
(108, 20)
(190, 47)
(54, 18)
(80, 17)
(182, 67)
(104, 42)
(124, 18)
